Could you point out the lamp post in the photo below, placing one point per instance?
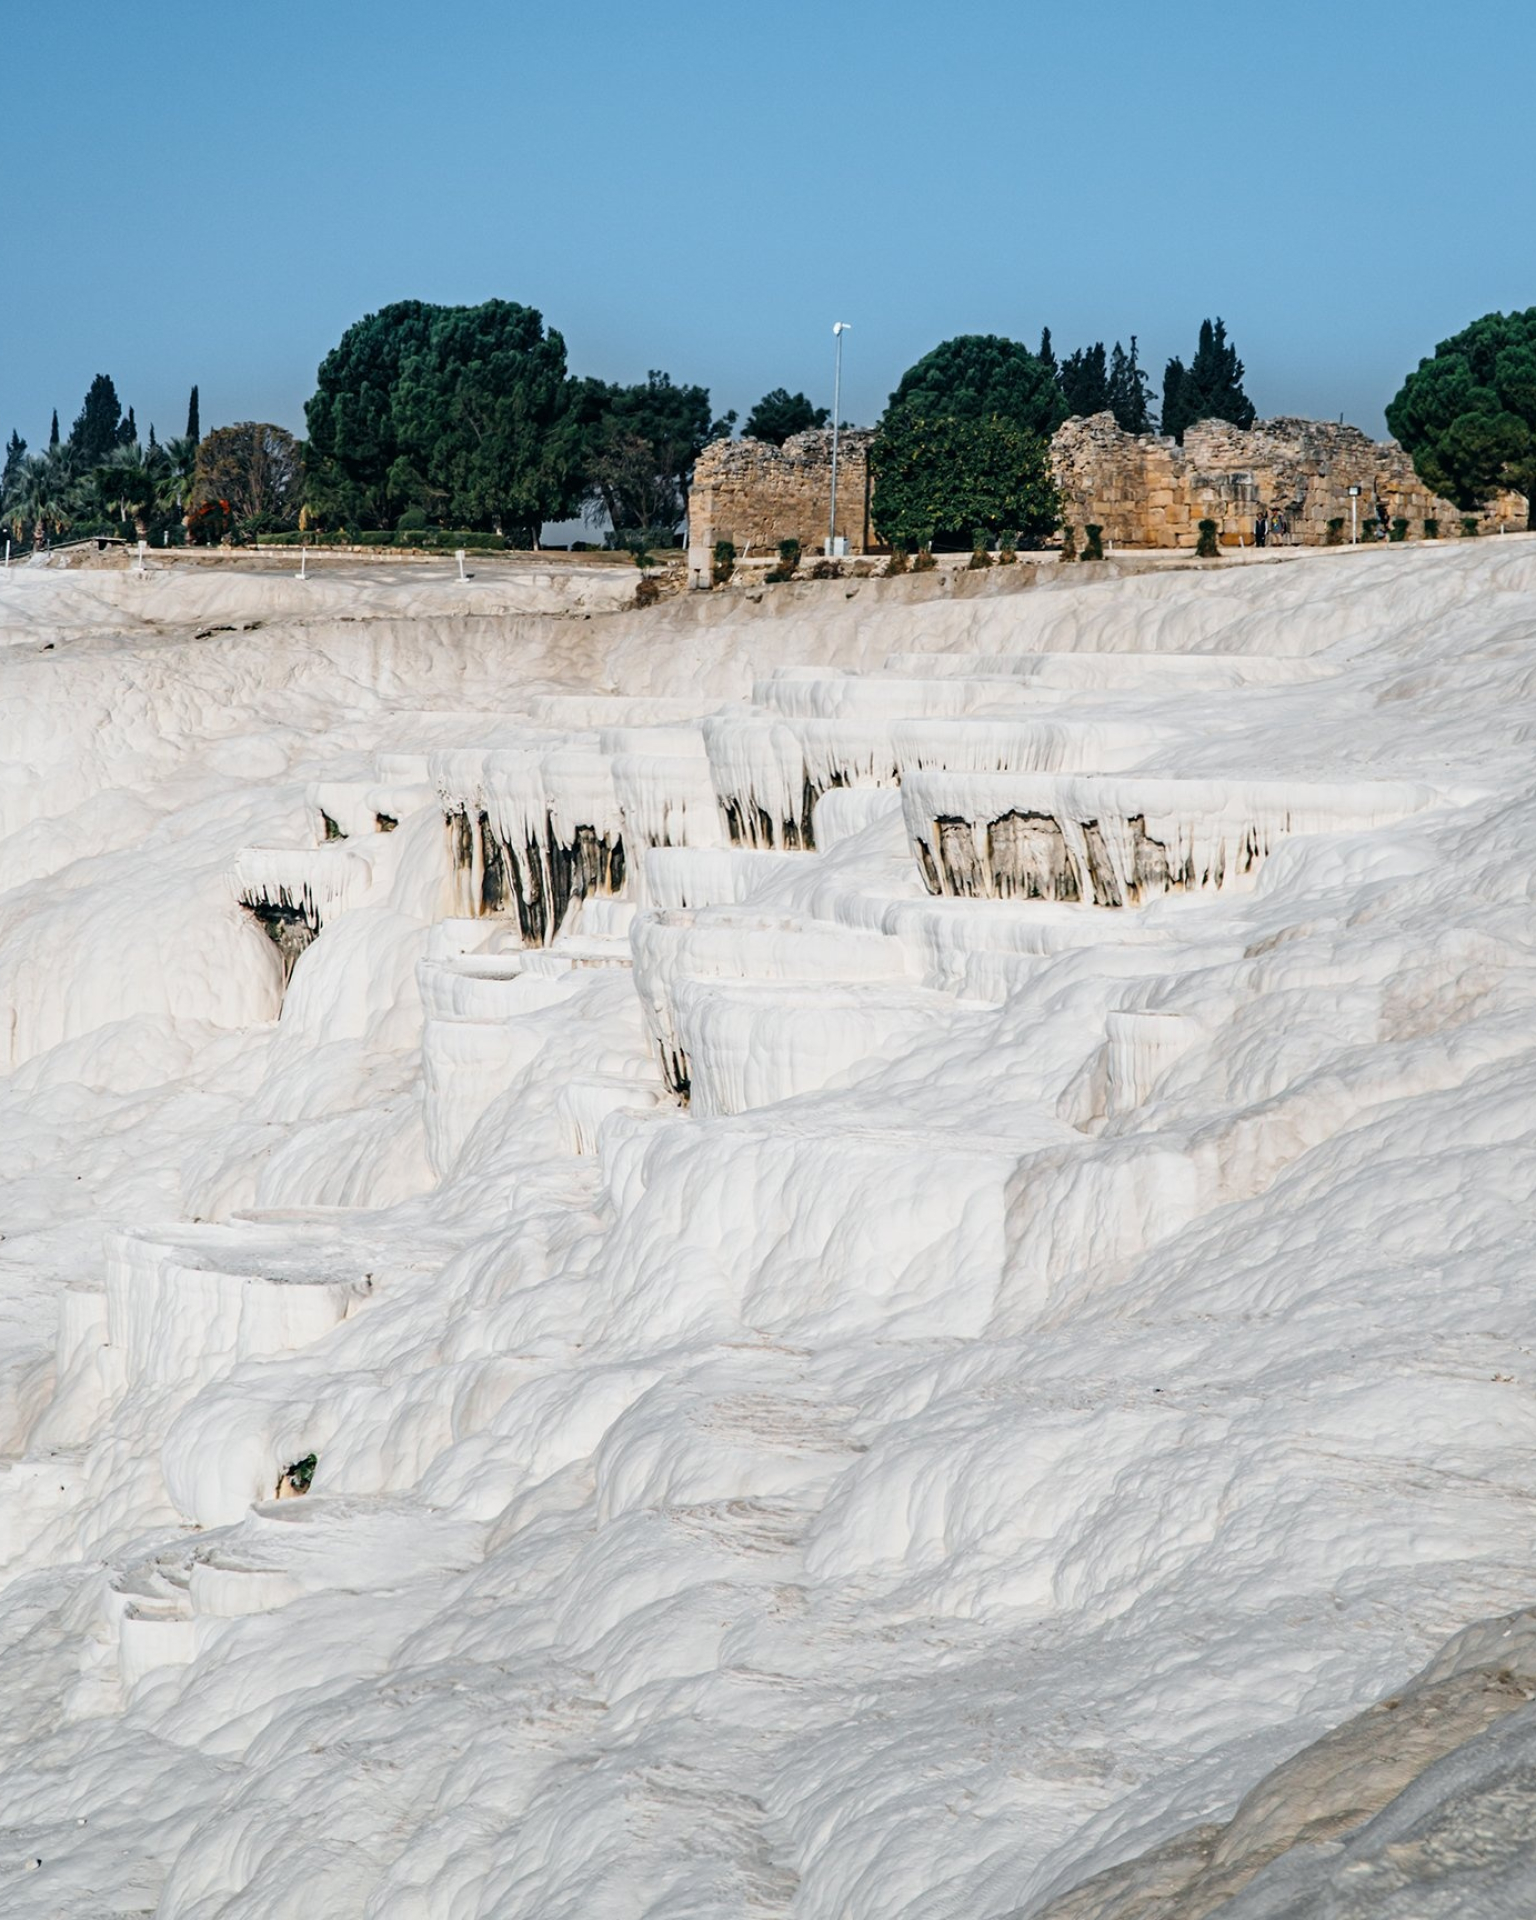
(839, 328)
(1354, 516)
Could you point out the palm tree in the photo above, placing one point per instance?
(40, 495)
(174, 476)
(126, 483)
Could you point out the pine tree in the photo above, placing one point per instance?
(1130, 392)
(1209, 388)
(53, 431)
(1085, 380)
(1047, 353)
(194, 431)
(15, 449)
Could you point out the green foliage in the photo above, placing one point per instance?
(951, 478)
(1084, 378)
(1209, 388)
(413, 520)
(1467, 416)
(1469, 526)
(98, 428)
(125, 483)
(300, 1477)
(1068, 543)
(1093, 542)
(256, 469)
(476, 409)
(1399, 528)
(354, 440)
(898, 560)
(724, 562)
(781, 413)
(1007, 548)
(466, 410)
(1208, 546)
(923, 560)
(789, 560)
(982, 376)
(194, 431)
(1130, 391)
(1431, 528)
(1335, 531)
(981, 553)
(647, 591)
(635, 447)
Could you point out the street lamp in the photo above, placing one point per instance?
(839, 328)
(1354, 520)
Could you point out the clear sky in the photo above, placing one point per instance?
(213, 194)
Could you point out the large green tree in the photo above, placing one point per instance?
(1467, 415)
(982, 376)
(353, 438)
(779, 414)
(947, 479)
(1209, 388)
(99, 426)
(465, 410)
(478, 411)
(639, 444)
(254, 466)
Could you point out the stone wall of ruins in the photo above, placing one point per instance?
(755, 495)
(1149, 492)
(1144, 491)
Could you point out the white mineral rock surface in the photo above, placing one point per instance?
(601, 1315)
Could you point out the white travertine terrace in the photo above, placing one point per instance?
(862, 1256)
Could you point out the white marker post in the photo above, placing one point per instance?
(459, 556)
(303, 561)
(839, 328)
(141, 568)
(7, 556)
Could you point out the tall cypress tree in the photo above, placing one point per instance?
(53, 431)
(1085, 380)
(194, 431)
(15, 448)
(99, 427)
(128, 432)
(1130, 392)
(1209, 388)
(1047, 353)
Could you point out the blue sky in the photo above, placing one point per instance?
(706, 188)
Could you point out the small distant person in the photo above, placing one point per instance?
(1261, 530)
(1382, 519)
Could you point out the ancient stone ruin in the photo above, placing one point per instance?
(755, 494)
(1141, 489)
(1146, 491)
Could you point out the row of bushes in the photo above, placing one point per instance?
(428, 537)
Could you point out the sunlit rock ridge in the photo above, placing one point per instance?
(863, 1257)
